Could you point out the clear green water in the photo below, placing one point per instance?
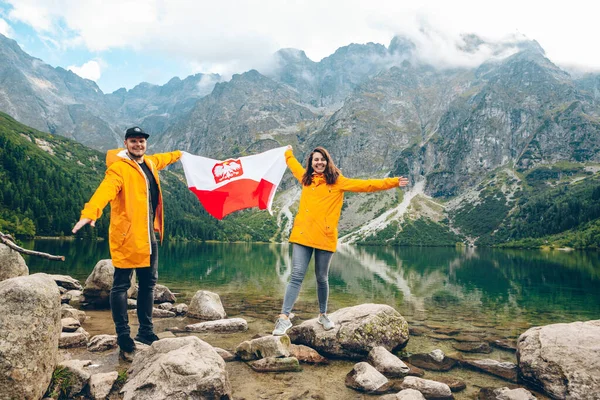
(506, 289)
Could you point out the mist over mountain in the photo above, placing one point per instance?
(479, 126)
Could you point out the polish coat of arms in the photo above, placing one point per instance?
(227, 170)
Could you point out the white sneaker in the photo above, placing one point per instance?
(326, 322)
(281, 326)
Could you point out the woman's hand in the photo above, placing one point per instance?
(402, 181)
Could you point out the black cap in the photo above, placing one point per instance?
(136, 131)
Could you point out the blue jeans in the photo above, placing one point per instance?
(300, 258)
(147, 278)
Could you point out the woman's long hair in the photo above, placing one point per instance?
(331, 172)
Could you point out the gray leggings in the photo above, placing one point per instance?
(300, 258)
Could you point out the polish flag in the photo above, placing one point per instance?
(236, 183)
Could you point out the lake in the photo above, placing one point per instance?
(500, 292)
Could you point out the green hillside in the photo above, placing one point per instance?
(45, 180)
(554, 205)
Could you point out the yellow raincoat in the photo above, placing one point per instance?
(315, 224)
(125, 187)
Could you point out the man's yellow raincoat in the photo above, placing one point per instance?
(315, 224)
(125, 187)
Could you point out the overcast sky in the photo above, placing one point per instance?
(120, 43)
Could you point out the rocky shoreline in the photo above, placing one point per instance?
(202, 353)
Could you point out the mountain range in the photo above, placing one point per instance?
(471, 139)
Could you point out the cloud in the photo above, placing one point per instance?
(5, 29)
(232, 36)
(90, 70)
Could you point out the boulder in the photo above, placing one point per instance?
(357, 331)
(562, 359)
(29, 334)
(12, 263)
(96, 293)
(178, 368)
(207, 306)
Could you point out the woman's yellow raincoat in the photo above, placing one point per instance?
(315, 224)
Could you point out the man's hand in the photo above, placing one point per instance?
(83, 222)
(402, 181)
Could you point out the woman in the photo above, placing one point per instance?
(315, 225)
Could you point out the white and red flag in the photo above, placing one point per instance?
(236, 183)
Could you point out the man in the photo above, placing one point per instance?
(132, 186)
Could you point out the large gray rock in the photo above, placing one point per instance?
(29, 332)
(96, 292)
(207, 306)
(562, 359)
(179, 368)
(357, 331)
(11, 263)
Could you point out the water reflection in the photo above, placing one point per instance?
(500, 287)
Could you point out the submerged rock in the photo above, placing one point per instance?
(276, 364)
(357, 331)
(506, 370)
(435, 360)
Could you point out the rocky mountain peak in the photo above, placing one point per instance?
(401, 45)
